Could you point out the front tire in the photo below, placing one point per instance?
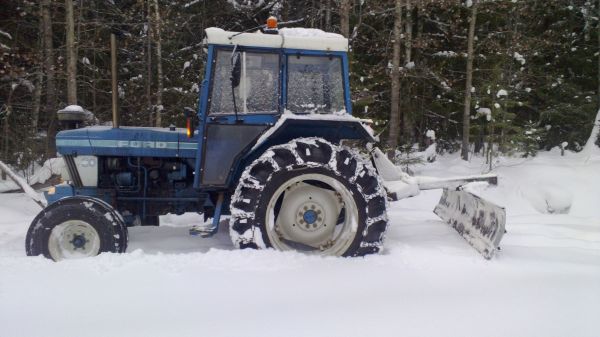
(76, 227)
(312, 196)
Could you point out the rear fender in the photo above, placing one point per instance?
(332, 128)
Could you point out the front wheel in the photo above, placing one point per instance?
(76, 227)
(311, 196)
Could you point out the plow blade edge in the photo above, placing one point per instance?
(480, 222)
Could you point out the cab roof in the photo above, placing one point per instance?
(291, 38)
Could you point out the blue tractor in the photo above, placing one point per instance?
(275, 147)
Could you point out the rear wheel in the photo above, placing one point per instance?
(76, 227)
(312, 196)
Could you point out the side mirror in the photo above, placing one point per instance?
(236, 69)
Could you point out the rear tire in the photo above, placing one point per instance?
(281, 196)
(76, 227)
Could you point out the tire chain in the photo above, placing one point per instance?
(344, 162)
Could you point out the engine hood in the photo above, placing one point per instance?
(127, 141)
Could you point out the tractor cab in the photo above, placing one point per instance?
(275, 82)
(258, 76)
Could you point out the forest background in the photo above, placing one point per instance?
(494, 78)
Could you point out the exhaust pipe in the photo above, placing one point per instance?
(113, 70)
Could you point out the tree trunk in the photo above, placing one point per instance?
(327, 15)
(50, 78)
(407, 119)
(37, 100)
(513, 21)
(313, 13)
(94, 80)
(94, 73)
(490, 151)
(39, 81)
(394, 123)
(6, 130)
(149, 66)
(285, 11)
(71, 54)
(467, 108)
(345, 7)
(408, 32)
(159, 70)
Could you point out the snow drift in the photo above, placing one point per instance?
(428, 282)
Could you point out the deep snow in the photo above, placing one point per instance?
(428, 282)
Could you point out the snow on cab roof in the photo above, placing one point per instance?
(294, 38)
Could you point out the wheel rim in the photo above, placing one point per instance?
(73, 239)
(312, 213)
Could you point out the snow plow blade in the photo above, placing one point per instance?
(478, 221)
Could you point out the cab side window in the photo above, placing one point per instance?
(258, 91)
(315, 84)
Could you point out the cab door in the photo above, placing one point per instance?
(256, 97)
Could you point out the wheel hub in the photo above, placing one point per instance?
(79, 241)
(310, 216)
(73, 239)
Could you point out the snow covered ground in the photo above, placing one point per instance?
(429, 282)
(41, 173)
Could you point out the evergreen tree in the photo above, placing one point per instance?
(543, 55)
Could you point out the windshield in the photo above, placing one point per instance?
(315, 84)
(258, 91)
